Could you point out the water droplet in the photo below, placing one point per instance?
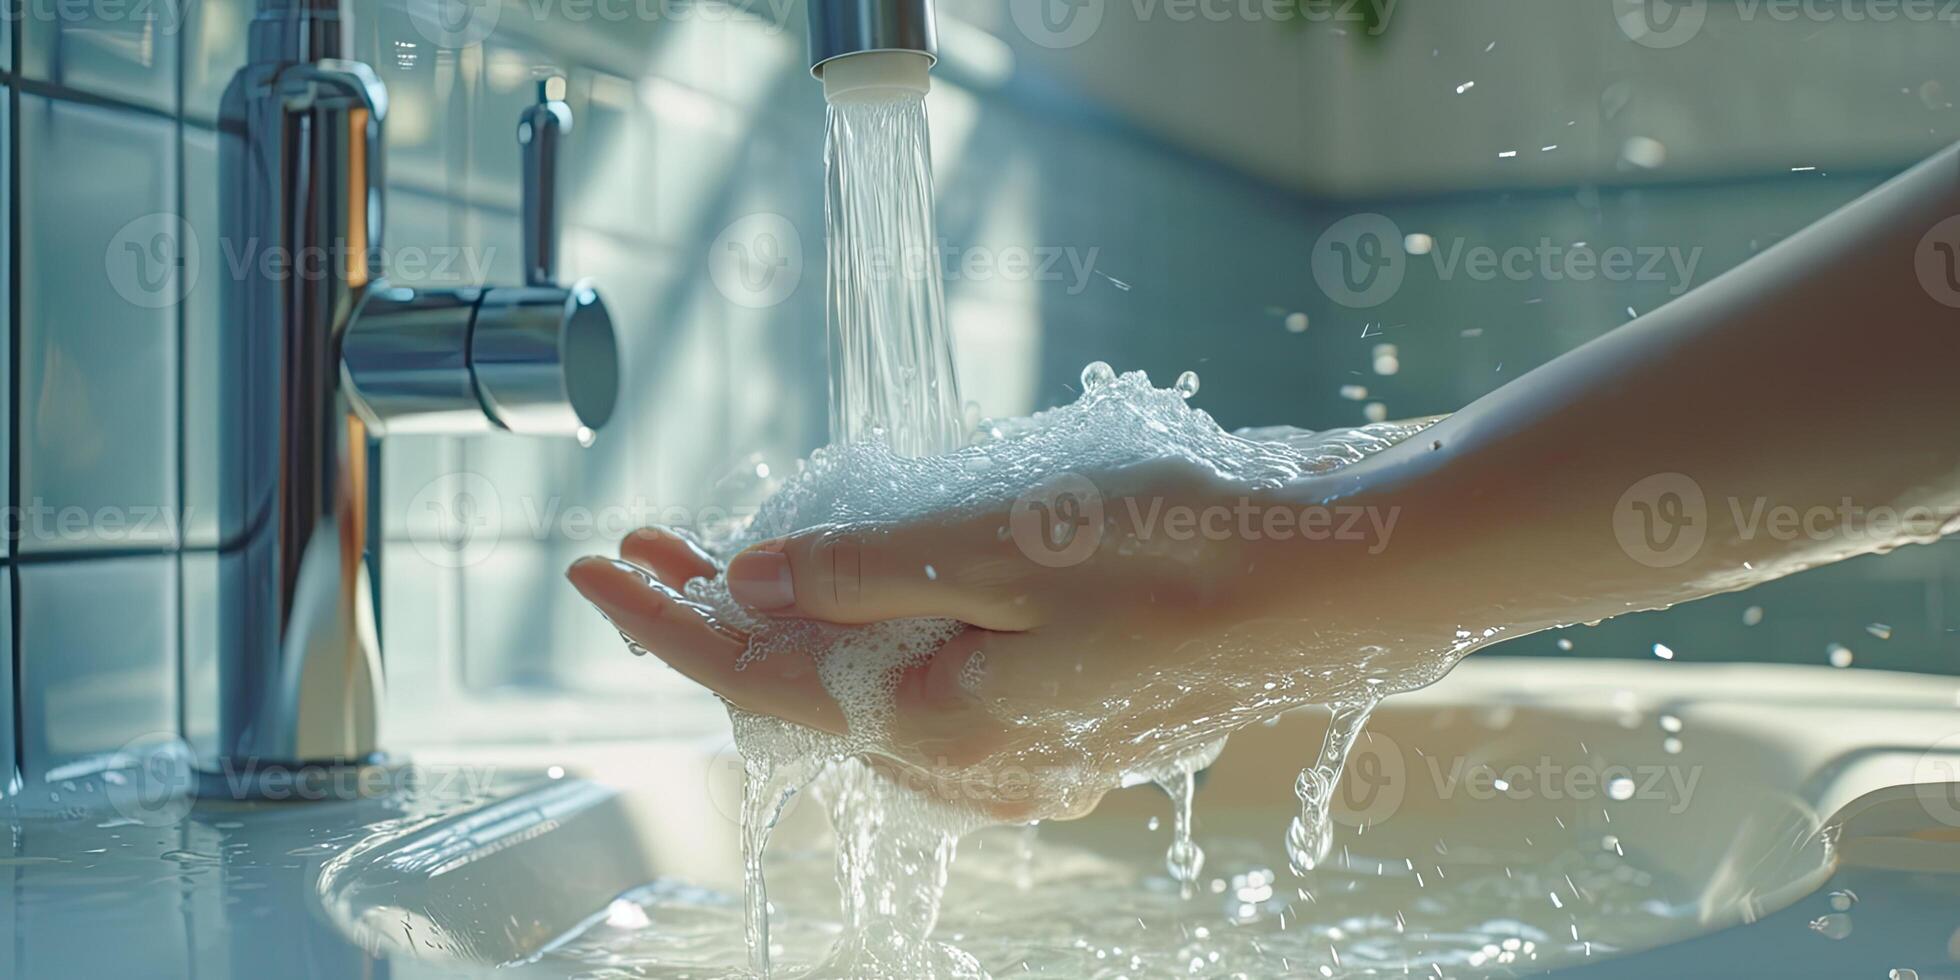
(1375, 412)
(1296, 323)
(1663, 651)
(1880, 630)
(1843, 899)
(1840, 655)
(1564, 643)
(1837, 925)
(1620, 788)
(1670, 724)
(1671, 745)
(1097, 374)
(1154, 823)
(586, 437)
(932, 574)
(1903, 973)
(1752, 616)
(1187, 384)
(1354, 393)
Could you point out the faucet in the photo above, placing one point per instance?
(860, 45)
(325, 358)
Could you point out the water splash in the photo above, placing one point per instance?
(1310, 836)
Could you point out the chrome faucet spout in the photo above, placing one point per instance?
(845, 27)
(329, 358)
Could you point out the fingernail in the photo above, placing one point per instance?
(760, 579)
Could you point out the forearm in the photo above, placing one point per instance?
(1818, 375)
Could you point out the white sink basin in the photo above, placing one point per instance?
(1586, 809)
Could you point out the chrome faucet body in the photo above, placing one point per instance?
(839, 28)
(325, 358)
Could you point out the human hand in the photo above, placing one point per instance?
(1107, 624)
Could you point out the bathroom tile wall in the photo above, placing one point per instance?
(692, 133)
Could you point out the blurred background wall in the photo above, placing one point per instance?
(1167, 170)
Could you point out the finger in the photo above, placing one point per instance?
(686, 636)
(673, 558)
(937, 712)
(863, 575)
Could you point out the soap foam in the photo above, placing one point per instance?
(895, 842)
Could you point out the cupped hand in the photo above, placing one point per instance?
(1097, 615)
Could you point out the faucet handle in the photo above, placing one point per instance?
(540, 129)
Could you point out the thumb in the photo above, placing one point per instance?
(866, 574)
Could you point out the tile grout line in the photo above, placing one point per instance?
(183, 346)
(18, 763)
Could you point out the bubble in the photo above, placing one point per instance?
(1903, 973)
(1843, 899)
(1620, 788)
(1187, 384)
(1752, 616)
(1296, 323)
(1097, 374)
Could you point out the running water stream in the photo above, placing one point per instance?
(899, 451)
(891, 352)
